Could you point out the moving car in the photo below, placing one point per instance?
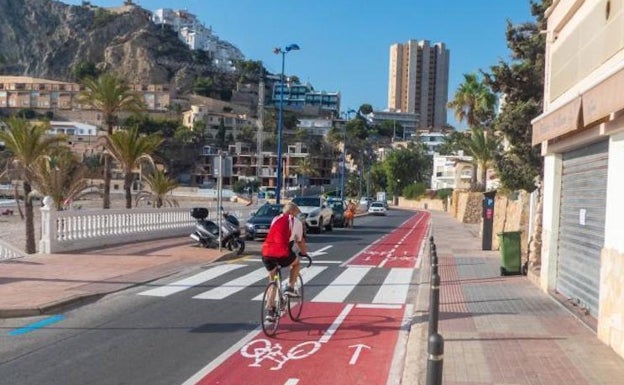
(377, 208)
(258, 225)
(317, 213)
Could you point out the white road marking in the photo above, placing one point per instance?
(336, 324)
(395, 286)
(234, 286)
(189, 282)
(340, 288)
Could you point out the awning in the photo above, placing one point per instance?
(603, 99)
(558, 122)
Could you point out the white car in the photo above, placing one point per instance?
(377, 208)
(317, 213)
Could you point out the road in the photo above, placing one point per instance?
(202, 326)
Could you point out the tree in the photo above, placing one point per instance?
(110, 96)
(203, 86)
(522, 83)
(454, 142)
(482, 147)
(159, 186)
(405, 166)
(28, 144)
(474, 102)
(131, 150)
(62, 177)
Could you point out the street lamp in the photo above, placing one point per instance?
(344, 156)
(283, 51)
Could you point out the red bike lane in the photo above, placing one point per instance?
(333, 343)
(400, 248)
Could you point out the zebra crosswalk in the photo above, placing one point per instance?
(393, 288)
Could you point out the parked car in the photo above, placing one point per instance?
(258, 225)
(338, 206)
(377, 208)
(318, 215)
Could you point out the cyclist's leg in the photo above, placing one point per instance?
(271, 266)
(295, 267)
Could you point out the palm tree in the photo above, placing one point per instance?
(474, 102)
(482, 146)
(130, 150)
(62, 177)
(159, 186)
(29, 144)
(305, 168)
(110, 96)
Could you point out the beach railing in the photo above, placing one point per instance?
(72, 230)
(7, 252)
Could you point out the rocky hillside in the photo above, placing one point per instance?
(45, 38)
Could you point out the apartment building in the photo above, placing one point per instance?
(581, 133)
(418, 81)
(22, 92)
(304, 97)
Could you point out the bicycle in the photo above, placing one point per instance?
(275, 298)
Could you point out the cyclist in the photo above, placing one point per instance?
(286, 230)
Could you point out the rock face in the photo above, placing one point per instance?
(44, 38)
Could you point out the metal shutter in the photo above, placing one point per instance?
(582, 224)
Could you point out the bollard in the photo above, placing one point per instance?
(435, 360)
(434, 304)
(434, 263)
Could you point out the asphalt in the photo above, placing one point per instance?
(496, 330)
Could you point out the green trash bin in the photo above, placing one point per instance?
(509, 245)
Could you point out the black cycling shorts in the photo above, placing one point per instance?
(271, 262)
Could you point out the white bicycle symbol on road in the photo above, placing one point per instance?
(262, 349)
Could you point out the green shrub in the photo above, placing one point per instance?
(414, 191)
(444, 193)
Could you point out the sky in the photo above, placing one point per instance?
(345, 44)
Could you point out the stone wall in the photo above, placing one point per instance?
(510, 214)
(422, 204)
(611, 313)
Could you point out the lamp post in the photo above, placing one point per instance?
(283, 51)
(344, 156)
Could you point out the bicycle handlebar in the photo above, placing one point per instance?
(301, 255)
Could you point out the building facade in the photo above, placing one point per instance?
(418, 81)
(303, 97)
(35, 93)
(581, 133)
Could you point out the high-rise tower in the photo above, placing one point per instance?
(418, 81)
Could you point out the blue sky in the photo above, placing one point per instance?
(345, 43)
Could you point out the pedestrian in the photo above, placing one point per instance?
(350, 214)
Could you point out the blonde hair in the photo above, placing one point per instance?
(290, 207)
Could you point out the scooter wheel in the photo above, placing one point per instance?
(237, 245)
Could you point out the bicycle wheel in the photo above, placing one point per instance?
(295, 304)
(270, 309)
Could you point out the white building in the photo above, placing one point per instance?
(581, 134)
(451, 171)
(433, 141)
(409, 122)
(198, 37)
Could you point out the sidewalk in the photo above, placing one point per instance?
(500, 330)
(40, 284)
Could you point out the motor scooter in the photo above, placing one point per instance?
(207, 232)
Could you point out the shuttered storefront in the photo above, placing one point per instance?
(582, 224)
